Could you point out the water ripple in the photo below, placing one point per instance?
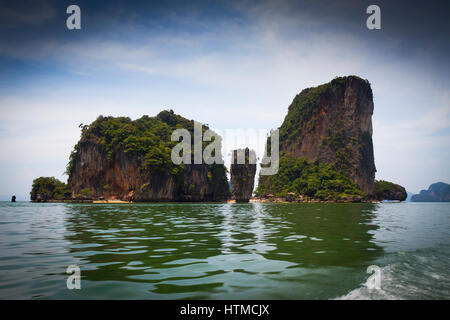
(208, 251)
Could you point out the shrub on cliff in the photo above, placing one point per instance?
(312, 179)
(49, 188)
(147, 137)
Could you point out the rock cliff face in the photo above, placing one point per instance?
(242, 174)
(332, 123)
(117, 158)
(437, 192)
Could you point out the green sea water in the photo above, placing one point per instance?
(225, 251)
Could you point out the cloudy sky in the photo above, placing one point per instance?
(230, 64)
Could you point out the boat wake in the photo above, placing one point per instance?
(412, 275)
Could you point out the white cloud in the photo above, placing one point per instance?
(415, 151)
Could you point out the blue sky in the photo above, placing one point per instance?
(231, 64)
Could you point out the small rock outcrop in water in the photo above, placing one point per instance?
(117, 158)
(385, 190)
(13, 199)
(437, 192)
(242, 174)
(328, 132)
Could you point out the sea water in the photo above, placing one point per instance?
(225, 251)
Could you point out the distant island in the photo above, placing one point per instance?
(437, 192)
(326, 154)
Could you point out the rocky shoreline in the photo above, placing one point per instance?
(251, 200)
(283, 200)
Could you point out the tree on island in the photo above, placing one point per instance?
(49, 188)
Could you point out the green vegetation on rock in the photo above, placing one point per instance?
(49, 188)
(311, 179)
(385, 190)
(148, 138)
(301, 110)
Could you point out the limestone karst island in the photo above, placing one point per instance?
(326, 154)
